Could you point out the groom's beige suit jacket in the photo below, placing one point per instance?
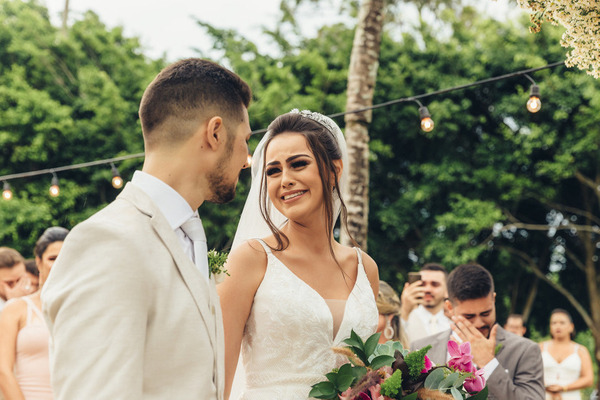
(130, 315)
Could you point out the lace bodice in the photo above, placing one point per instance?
(289, 334)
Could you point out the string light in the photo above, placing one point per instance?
(534, 104)
(422, 111)
(117, 181)
(7, 191)
(427, 123)
(54, 188)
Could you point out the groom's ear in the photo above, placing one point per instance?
(216, 133)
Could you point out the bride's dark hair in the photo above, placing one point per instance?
(325, 148)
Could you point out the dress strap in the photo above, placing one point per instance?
(265, 246)
(32, 308)
(359, 254)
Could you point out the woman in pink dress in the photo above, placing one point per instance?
(24, 362)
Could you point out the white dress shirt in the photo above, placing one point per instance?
(418, 324)
(170, 203)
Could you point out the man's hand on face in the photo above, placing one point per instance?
(482, 348)
(21, 287)
(411, 297)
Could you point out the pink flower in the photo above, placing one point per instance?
(376, 392)
(346, 394)
(475, 383)
(428, 365)
(460, 356)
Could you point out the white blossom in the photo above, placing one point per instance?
(581, 18)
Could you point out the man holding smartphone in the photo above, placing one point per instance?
(423, 302)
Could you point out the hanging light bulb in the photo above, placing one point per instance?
(117, 181)
(426, 121)
(7, 193)
(534, 103)
(54, 188)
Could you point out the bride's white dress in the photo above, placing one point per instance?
(288, 338)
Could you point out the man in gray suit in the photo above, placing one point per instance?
(130, 302)
(512, 364)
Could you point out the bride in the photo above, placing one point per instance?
(296, 292)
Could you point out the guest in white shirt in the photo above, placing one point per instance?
(423, 303)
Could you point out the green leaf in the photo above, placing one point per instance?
(354, 343)
(461, 379)
(345, 377)
(449, 381)
(381, 361)
(412, 396)
(361, 355)
(481, 395)
(323, 390)
(434, 379)
(332, 377)
(456, 394)
(371, 344)
(355, 337)
(359, 372)
(344, 382)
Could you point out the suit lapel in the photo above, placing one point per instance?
(441, 351)
(500, 341)
(197, 285)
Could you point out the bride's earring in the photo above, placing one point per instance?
(388, 332)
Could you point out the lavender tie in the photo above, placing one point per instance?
(194, 230)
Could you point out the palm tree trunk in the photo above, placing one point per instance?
(362, 74)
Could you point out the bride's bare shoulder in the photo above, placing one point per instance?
(249, 250)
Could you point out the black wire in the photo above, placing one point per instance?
(260, 131)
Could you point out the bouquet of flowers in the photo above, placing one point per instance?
(388, 371)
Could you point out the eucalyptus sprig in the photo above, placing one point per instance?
(216, 262)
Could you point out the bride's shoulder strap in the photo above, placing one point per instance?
(265, 246)
(359, 255)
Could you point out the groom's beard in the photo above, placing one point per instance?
(222, 191)
(486, 330)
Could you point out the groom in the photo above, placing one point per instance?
(131, 306)
(512, 365)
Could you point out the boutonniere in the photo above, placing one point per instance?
(216, 264)
(498, 348)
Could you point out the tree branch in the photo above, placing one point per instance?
(538, 272)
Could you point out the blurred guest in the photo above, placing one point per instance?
(24, 361)
(33, 273)
(423, 303)
(515, 324)
(388, 305)
(567, 365)
(13, 279)
(511, 365)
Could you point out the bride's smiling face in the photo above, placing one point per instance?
(293, 181)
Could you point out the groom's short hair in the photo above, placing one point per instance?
(185, 94)
(469, 282)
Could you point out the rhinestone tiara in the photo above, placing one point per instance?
(320, 118)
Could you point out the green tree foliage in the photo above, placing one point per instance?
(64, 99)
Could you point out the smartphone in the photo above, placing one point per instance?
(414, 276)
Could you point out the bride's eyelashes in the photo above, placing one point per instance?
(272, 171)
(295, 165)
(299, 164)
